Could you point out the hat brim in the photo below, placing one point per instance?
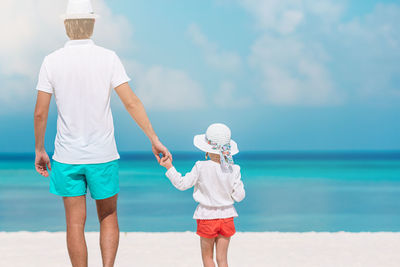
(79, 16)
(199, 141)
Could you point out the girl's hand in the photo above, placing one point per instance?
(166, 162)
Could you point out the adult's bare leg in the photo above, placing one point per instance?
(109, 230)
(75, 214)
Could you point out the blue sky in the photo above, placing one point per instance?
(284, 75)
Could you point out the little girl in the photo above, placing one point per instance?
(217, 185)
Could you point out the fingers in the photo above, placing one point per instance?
(42, 163)
(42, 170)
(166, 153)
(155, 152)
(160, 148)
(157, 157)
(163, 160)
(166, 157)
(38, 169)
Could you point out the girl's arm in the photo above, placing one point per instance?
(185, 182)
(238, 192)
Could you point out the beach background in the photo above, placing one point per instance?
(310, 90)
(286, 192)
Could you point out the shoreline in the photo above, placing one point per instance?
(184, 232)
(182, 249)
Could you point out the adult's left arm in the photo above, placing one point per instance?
(136, 109)
(42, 161)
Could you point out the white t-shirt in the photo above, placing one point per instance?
(81, 76)
(214, 189)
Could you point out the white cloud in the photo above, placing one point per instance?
(291, 73)
(27, 32)
(165, 88)
(328, 11)
(374, 42)
(282, 16)
(380, 26)
(228, 97)
(215, 57)
(306, 55)
(294, 70)
(285, 16)
(290, 20)
(112, 30)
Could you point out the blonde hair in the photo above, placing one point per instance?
(79, 28)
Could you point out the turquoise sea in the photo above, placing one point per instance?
(286, 191)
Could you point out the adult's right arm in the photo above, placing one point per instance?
(136, 109)
(42, 161)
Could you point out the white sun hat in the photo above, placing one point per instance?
(216, 138)
(79, 9)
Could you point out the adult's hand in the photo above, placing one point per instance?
(158, 148)
(42, 163)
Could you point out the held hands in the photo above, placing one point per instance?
(42, 163)
(158, 148)
(166, 162)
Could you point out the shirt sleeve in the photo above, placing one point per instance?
(185, 182)
(119, 75)
(238, 192)
(44, 82)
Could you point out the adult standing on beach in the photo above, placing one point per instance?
(81, 76)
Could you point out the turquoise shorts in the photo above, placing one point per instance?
(71, 180)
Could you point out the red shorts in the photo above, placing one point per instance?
(215, 227)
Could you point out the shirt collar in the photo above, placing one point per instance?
(79, 42)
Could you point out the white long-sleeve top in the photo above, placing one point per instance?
(214, 190)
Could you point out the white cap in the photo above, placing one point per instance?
(79, 9)
(217, 133)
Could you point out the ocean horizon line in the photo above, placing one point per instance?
(248, 154)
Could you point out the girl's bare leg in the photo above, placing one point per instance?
(207, 251)
(221, 246)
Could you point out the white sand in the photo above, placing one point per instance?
(182, 249)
